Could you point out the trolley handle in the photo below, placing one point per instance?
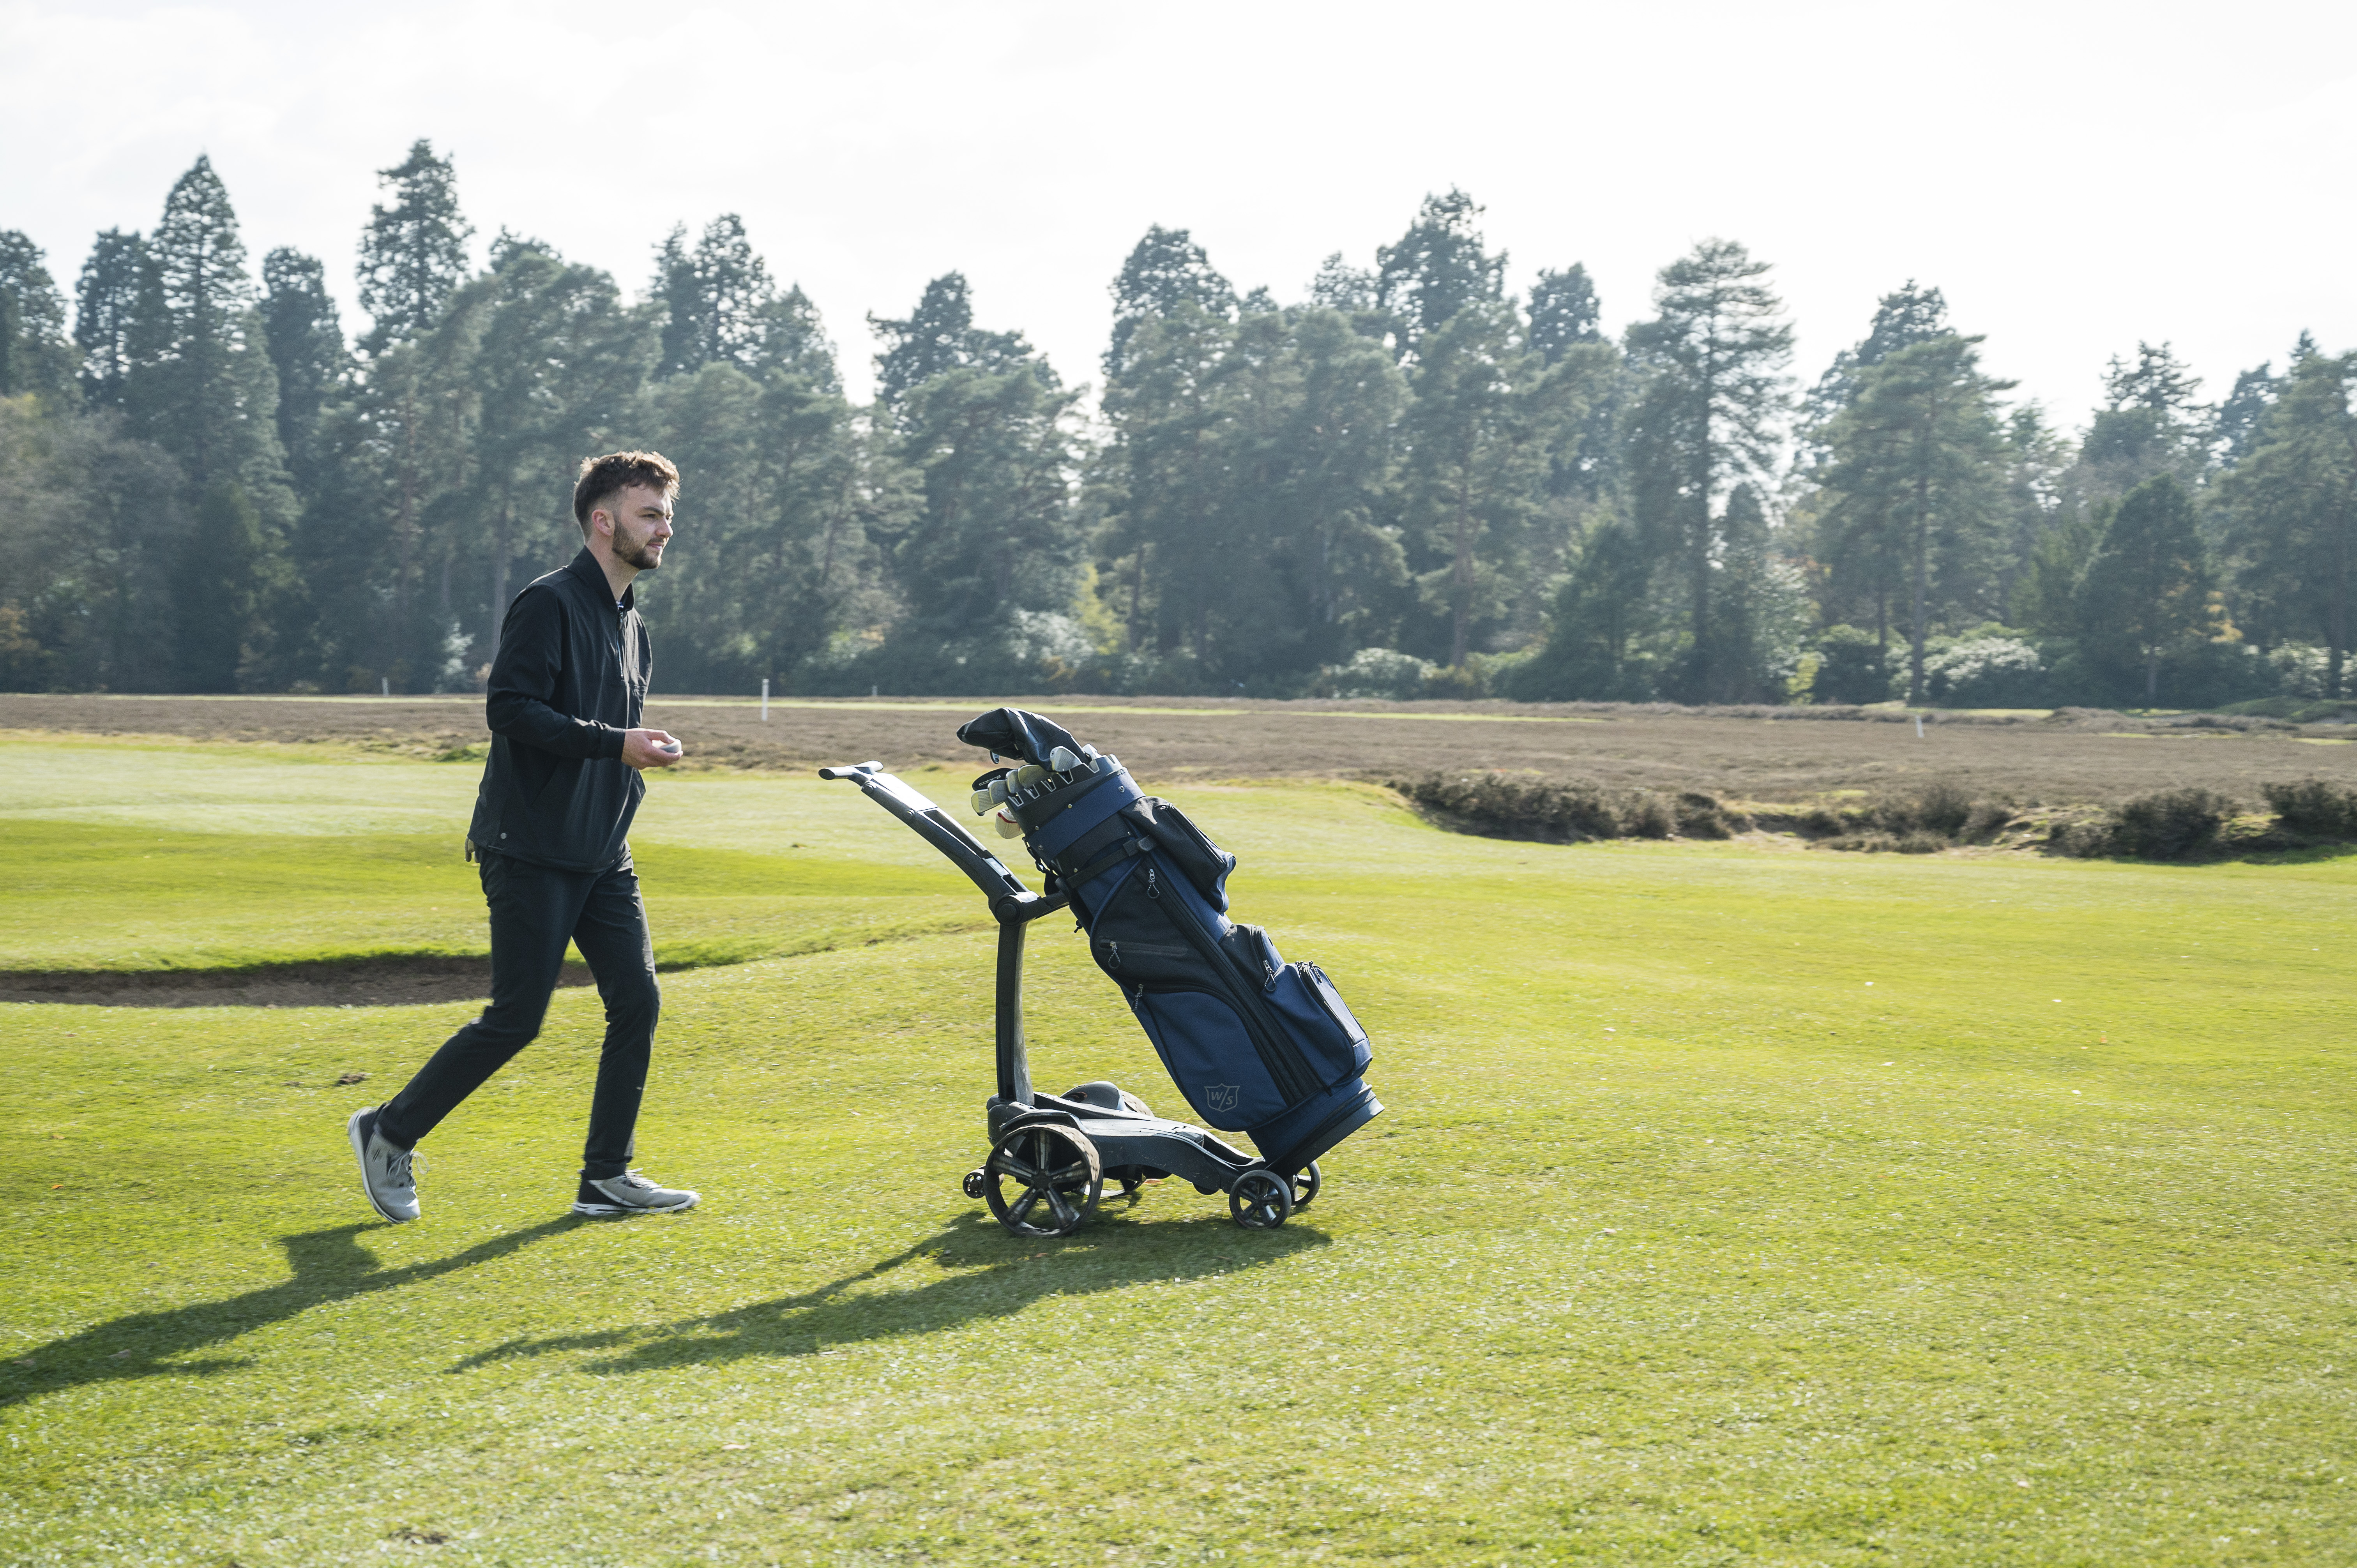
(1010, 901)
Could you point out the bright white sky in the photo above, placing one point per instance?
(2075, 176)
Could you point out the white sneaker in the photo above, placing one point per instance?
(629, 1193)
(384, 1168)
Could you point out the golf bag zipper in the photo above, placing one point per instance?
(1287, 1069)
(1149, 950)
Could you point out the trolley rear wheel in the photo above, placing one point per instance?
(1043, 1180)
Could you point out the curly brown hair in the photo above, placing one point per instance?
(603, 477)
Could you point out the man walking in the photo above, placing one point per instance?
(551, 835)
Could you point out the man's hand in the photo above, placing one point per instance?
(649, 748)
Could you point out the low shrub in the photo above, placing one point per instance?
(2087, 839)
(2170, 825)
(1942, 807)
(1853, 666)
(1507, 805)
(1940, 814)
(2314, 806)
(1457, 682)
(1650, 817)
(1378, 672)
(1989, 671)
(1701, 817)
(1985, 821)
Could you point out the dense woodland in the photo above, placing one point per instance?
(1407, 482)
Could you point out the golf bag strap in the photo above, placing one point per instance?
(1097, 852)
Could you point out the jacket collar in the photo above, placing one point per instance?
(593, 577)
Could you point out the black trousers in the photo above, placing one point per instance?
(535, 910)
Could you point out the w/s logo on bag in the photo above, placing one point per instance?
(1220, 1096)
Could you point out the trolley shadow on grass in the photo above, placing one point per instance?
(985, 1282)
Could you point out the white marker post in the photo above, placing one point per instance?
(384, 685)
(1919, 726)
(765, 699)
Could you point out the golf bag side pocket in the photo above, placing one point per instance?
(1317, 1019)
(1195, 1033)
(1185, 847)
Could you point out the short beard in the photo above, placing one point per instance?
(641, 555)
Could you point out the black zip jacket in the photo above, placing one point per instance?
(569, 678)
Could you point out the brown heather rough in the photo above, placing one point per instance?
(2075, 757)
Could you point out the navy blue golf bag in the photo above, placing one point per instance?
(1257, 1044)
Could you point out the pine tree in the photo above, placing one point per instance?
(1564, 324)
(555, 372)
(716, 299)
(780, 495)
(1484, 419)
(2235, 430)
(2144, 592)
(2290, 509)
(1563, 312)
(939, 337)
(1913, 478)
(35, 356)
(218, 590)
(2149, 424)
(201, 383)
(305, 342)
(1599, 613)
(1171, 466)
(1245, 490)
(106, 307)
(1902, 318)
(1340, 287)
(1761, 610)
(983, 427)
(1703, 421)
(413, 252)
(994, 456)
(794, 344)
(1321, 410)
(2037, 458)
(1163, 268)
(1435, 270)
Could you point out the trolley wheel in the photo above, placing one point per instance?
(1305, 1186)
(1261, 1199)
(975, 1182)
(1132, 1181)
(1055, 1176)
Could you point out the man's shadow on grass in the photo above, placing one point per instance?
(983, 1273)
(329, 1266)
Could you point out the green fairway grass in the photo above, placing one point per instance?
(1733, 1205)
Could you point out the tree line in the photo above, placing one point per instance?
(1409, 482)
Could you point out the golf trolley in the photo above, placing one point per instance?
(1051, 1154)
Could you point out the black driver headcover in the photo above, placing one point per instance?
(1012, 732)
